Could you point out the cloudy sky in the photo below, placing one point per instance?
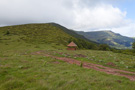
(83, 15)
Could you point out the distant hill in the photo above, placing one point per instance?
(109, 37)
(46, 33)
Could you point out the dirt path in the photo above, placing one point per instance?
(108, 70)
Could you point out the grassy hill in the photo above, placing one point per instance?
(110, 38)
(45, 34)
(70, 32)
(21, 69)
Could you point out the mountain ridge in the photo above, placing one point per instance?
(108, 37)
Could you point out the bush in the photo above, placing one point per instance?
(7, 33)
(104, 47)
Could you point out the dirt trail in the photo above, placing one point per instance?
(108, 70)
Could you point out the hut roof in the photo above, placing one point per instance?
(72, 44)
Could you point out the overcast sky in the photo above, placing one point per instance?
(83, 15)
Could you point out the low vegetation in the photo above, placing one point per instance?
(21, 69)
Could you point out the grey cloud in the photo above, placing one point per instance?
(74, 14)
(27, 11)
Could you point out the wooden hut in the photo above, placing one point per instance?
(72, 46)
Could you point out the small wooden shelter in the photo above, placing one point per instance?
(72, 46)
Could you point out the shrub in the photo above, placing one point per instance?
(81, 65)
(7, 33)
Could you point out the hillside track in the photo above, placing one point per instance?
(101, 68)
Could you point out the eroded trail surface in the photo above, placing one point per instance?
(108, 70)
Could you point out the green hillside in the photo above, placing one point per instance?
(110, 38)
(24, 64)
(68, 31)
(45, 34)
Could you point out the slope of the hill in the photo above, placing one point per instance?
(110, 38)
(70, 32)
(46, 34)
(21, 68)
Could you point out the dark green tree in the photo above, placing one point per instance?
(133, 45)
(104, 47)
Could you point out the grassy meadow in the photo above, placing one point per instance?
(22, 70)
(119, 61)
(19, 70)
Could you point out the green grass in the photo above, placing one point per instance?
(121, 61)
(33, 72)
(21, 70)
(36, 33)
(44, 34)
